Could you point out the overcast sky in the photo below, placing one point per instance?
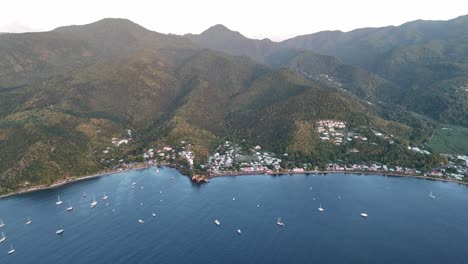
(272, 19)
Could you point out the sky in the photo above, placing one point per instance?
(277, 20)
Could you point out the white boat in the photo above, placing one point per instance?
(154, 215)
(258, 205)
(60, 231)
(59, 201)
(279, 222)
(94, 203)
(3, 238)
(320, 208)
(105, 197)
(70, 208)
(133, 184)
(233, 198)
(140, 221)
(364, 215)
(1, 223)
(84, 195)
(157, 171)
(29, 221)
(12, 250)
(431, 195)
(217, 222)
(239, 232)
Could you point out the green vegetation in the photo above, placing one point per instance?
(450, 139)
(65, 94)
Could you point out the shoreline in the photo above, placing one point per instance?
(387, 174)
(71, 180)
(212, 176)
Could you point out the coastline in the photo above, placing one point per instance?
(213, 176)
(71, 180)
(379, 173)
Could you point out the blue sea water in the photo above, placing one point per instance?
(404, 224)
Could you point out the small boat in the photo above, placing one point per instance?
(59, 201)
(60, 231)
(94, 203)
(29, 221)
(217, 222)
(153, 214)
(279, 222)
(239, 232)
(133, 184)
(70, 208)
(141, 203)
(105, 197)
(140, 221)
(142, 187)
(157, 171)
(3, 238)
(310, 188)
(233, 198)
(431, 195)
(258, 205)
(1, 223)
(364, 215)
(84, 195)
(12, 250)
(320, 208)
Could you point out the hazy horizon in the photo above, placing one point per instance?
(260, 19)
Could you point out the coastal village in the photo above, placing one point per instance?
(231, 158)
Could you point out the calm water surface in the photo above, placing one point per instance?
(404, 224)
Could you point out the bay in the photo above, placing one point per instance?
(404, 224)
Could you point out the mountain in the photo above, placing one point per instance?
(420, 65)
(427, 60)
(222, 39)
(65, 94)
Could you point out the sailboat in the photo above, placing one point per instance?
(29, 221)
(59, 231)
(12, 250)
(431, 195)
(70, 208)
(94, 203)
(1, 223)
(140, 221)
(320, 208)
(239, 232)
(3, 238)
(105, 197)
(84, 195)
(59, 201)
(279, 222)
(364, 215)
(217, 222)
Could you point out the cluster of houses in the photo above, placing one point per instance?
(372, 168)
(231, 155)
(332, 130)
(328, 79)
(456, 169)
